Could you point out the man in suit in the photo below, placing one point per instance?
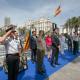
(33, 46)
(55, 47)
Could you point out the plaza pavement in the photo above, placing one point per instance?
(70, 71)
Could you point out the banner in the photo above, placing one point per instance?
(57, 11)
(26, 42)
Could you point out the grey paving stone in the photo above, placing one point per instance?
(69, 72)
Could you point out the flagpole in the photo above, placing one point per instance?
(61, 2)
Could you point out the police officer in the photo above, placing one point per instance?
(12, 53)
(55, 47)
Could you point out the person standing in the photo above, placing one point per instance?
(33, 46)
(75, 43)
(40, 53)
(48, 45)
(70, 43)
(62, 43)
(79, 42)
(12, 53)
(55, 47)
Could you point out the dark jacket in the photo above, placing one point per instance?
(55, 41)
(33, 44)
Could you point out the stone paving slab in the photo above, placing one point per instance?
(69, 72)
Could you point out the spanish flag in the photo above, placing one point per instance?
(26, 42)
(57, 11)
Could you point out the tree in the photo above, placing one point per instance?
(74, 22)
(2, 32)
(22, 31)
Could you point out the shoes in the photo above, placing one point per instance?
(40, 72)
(49, 59)
(33, 62)
(52, 65)
(43, 71)
(57, 64)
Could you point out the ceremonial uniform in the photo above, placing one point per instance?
(55, 49)
(12, 58)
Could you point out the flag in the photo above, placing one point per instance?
(26, 42)
(57, 11)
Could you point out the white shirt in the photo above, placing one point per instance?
(75, 38)
(62, 40)
(12, 46)
(63, 43)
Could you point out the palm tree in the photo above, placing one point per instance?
(74, 22)
(79, 21)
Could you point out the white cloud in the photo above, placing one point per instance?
(19, 16)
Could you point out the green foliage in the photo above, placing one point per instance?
(2, 32)
(74, 22)
(22, 31)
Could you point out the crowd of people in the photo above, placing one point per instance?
(52, 44)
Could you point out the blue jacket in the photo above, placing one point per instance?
(33, 44)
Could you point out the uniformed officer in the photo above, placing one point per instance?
(55, 47)
(12, 53)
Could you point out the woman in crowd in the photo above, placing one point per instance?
(40, 53)
(48, 45)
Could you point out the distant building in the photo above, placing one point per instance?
(7, 21)
(40, 24)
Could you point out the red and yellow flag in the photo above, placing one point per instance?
(57, 11)
(26, 42)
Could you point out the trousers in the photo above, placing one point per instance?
(55, 54)
(13, 66)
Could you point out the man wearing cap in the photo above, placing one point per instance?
(12, 52)
(55, 47)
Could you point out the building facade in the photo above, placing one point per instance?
(67, 29)
(40, 24)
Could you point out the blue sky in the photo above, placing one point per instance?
(21, 10)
